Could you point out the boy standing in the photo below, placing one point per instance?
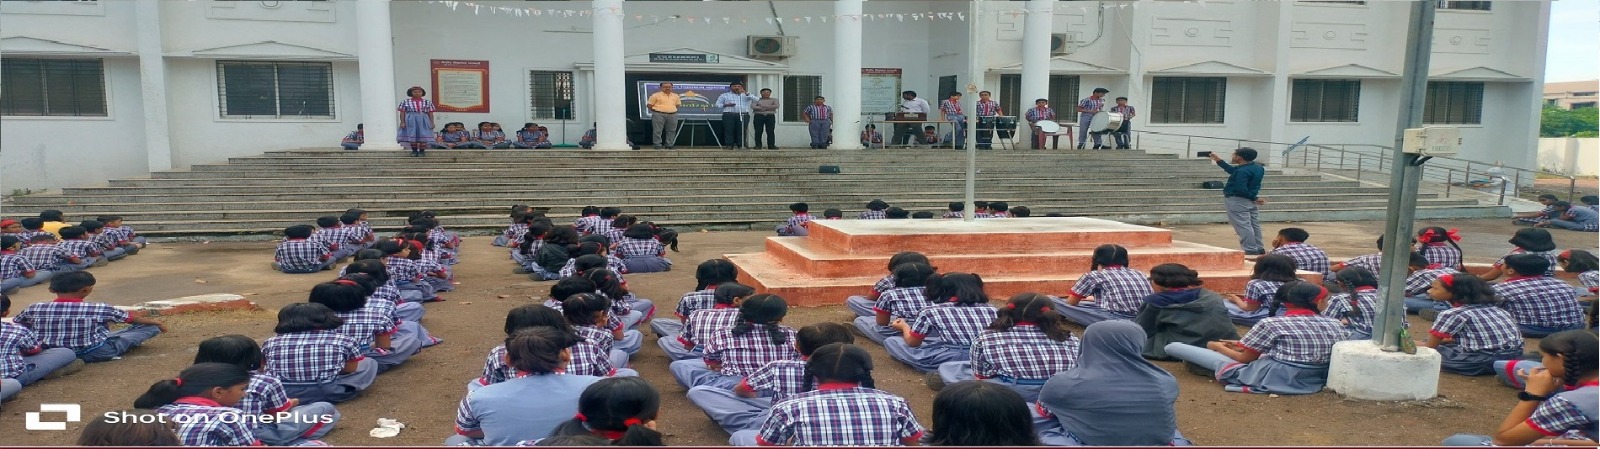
(1241, 196)
(819, 120)
(69, 322)
(23, 360)
(298, 254)
(1121, 135)
(951, 110)
(1087, 108)
(987, 108)
(1291, 242)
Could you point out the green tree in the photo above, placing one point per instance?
(1557, 122)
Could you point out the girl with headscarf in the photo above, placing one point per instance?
(1114, 397)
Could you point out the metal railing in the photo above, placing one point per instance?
(1362, 162)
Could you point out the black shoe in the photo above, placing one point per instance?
(1199, 370)
(933, 380)
(770, 147)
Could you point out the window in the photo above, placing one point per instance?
(52, 87)
(1453, 103)
(1063, 93)
(1470, 6)
(1187, 100)
(798, 92)
(1584, 94)
(550, 95)
(1585, 104)
(264, 89)
(1324, 100)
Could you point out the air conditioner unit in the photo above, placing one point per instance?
(1061, 45)
(771, 46)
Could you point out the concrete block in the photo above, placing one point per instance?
(1361, 370)
(191, 304)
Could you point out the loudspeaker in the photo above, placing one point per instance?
(832, 169)
(1213, 185)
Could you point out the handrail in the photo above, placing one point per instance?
(1496, 179)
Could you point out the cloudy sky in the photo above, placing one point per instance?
(1574, 52)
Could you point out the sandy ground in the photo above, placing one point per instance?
(423, 393)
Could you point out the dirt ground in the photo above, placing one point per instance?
(423, 393)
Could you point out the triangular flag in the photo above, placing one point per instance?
(769, 21)
(808, 19)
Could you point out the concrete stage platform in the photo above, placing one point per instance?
(1046, 255)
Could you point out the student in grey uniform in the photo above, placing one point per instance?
(1026, 345)
(1114, 397)
(910, 293)
(862, 305)
(1474, 333)
(1559, 402)
(746, 405)
(503, 414)
(1286, 354)
(316, 363)
(265, 397)
(757, 340)
(586, 359)
(370, 326)
(944, 331)
(707, 276)
(705, 325)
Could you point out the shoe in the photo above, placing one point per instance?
(1428, 314)
(519, 270)
(1199, 370)
(658, 147)
(70, 369)
(669, 147)
(1255, 253)
(772, 147)
(933, 380)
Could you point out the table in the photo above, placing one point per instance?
(889, 137)
(1055, 144)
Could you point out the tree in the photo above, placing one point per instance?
(1557, 122)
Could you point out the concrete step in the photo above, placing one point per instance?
(415, 179)
(826, 261)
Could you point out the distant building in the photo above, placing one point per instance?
(1572, 94)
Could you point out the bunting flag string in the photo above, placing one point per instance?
(932, 16)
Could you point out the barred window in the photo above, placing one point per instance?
(269, 89)
(1063, 93)
(1453, 103)
(550, 95)
(798, 92)
(52, 87)
(1188, 99)
(1324, 100)
(1470, 6)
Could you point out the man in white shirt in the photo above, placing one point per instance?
(909, 103)
(735, 115)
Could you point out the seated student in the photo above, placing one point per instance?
(265, 398)
(706, 324)
(1439, 246)
(1357, 306)
(1180, 311)
(69, 322)
(490, 138)
(590, 136)
(531, 136)
(75, 242)
(746, 405)
(1024, 347)
(876, 210)
(201, 402)
(956, 208)
(998, 209)
(1021, 212)
(315, 362)
(908, 292)
(52, 221)
(1418, 281)
(1371, 262)
(124, 234)
(33, 227)
(502, 414)
(331, 235)
(521, 217)
(360, 236)
(944, 331)
(641, 252)
(1590, 201)
(759, 338)
(46, 255)
(607, 220)
(707, 276)
(1556, 407)
(1113, 398)
(587, 358)
(980, 209)
(1474, 332)
(298, 254)
(1543, 215)
(559, 245)
(525, 250)
(454, 136)
(798, 224)
(620, 410)
(871, 138)
(370, 325)
(980, 414)
(1292, 242)
(11, 228)
(105, 243)
(1286, 354)
(896, 213)
(1528, 241)
(921, 215)
(1117, 291)
(839, 407)
(929, 136)
(611, 316)
(1588, 269)
(353, 141)
(384, 298)
(588, 315)
(23, 359)
(1572, 218)
(1542, 305)
(832, 214)
(16, 271)
(862, 305)
(130, 427)
(1271, 271)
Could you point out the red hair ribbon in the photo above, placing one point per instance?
(955, 299)
(345, 282)
(1449, 280)
(1011, 306)
(1322, 294)
(580, 417)
(178, 381)
(1565, 254)
(1454, 234)
(1435, 266)
(630, 422)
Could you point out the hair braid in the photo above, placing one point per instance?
(1573, 365)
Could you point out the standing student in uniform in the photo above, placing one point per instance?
(950, 110)
(1023, 348)
(315, 362)
(621, 410)
(707, 324)
(819, 122)
(200, 401)
(1558, 401)
(765, 120)
(663, 107)
(502, 414)
(987, 108)
(1241, 195)
(415, 128)
(758, 339)
(1117, 290)
(1113, 398)
(1123, 133)
(1286, 354)
(1087, 108)
(265, 397)
(840, 407)
(1473, 333)
(910, 292)
(943, 332)
(746, 405)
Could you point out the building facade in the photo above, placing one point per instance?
(167, 84)
(1572, 94)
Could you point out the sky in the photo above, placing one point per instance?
(1574, 51)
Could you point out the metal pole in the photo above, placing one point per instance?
(970, 104)
(1404, 180)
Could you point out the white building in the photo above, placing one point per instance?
(94, 90)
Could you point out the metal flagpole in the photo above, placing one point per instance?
(969, 104)
(1403, 182)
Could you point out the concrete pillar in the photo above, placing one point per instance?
(845, 93)
(610, 90)
(1362, 370)
(153, 85)
(1036, 58)
(1279, 98)
(375, 53)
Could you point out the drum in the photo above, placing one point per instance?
(1006, 126)
(1104, 122)
(987, 123)
(1047, 126)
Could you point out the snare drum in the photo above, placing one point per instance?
(987, 123)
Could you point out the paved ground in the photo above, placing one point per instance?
(423, 393)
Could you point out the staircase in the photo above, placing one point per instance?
(472, 191)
